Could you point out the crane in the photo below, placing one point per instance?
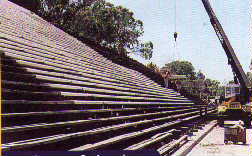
(239, 75)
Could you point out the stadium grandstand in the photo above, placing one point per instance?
(60, 94)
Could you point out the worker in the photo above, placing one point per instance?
(222, 99)
(166, 78)
(175, 36)
(178, 85)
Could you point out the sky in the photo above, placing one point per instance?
(197, 41)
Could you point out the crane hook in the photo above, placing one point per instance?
(175, 36)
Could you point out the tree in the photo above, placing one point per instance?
(215, 83)
(181, 68)
(231, 82)
(32, 5)
(153, 66)
(144, 49)
(200, 75)
(110, 26)
(212, 83)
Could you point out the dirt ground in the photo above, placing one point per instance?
(213, 145)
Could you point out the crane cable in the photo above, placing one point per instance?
(175, 35)
(175, 21)
(175, 17)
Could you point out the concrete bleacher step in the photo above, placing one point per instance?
(13, 119)
(13, 76)
(80, 63)
(20, 106)
(82, 95)
(13, 85)
(127, 136)
(48, 125)
(71, 85)
(167, 148)
(86, 95)
(52, 45)
(153, 140)
(71, 126)
(64, 75)
(55, 138)
(29, 95)
(32, 57)
(61, 47)
(23, 76)
(71, 88)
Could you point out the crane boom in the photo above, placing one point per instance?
(232, 58)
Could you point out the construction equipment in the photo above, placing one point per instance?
(234, 131)
(236, 107)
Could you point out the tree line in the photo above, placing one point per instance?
(110, 26)
(187, 69)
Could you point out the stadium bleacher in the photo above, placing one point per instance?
(58, 93)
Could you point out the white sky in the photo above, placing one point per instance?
(197, 41)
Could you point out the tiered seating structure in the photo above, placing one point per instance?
(59, 94)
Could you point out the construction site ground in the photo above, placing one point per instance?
(213, 145)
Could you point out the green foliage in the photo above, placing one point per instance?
(231, 82)
(111, 26)
(32, 5)
(221, 90)
(153, 66)
(210, 87)
(213, 86)
(212, 83)
(200, 75)
(144, 49)
(181, 68)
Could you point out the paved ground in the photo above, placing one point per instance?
(213, 145)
